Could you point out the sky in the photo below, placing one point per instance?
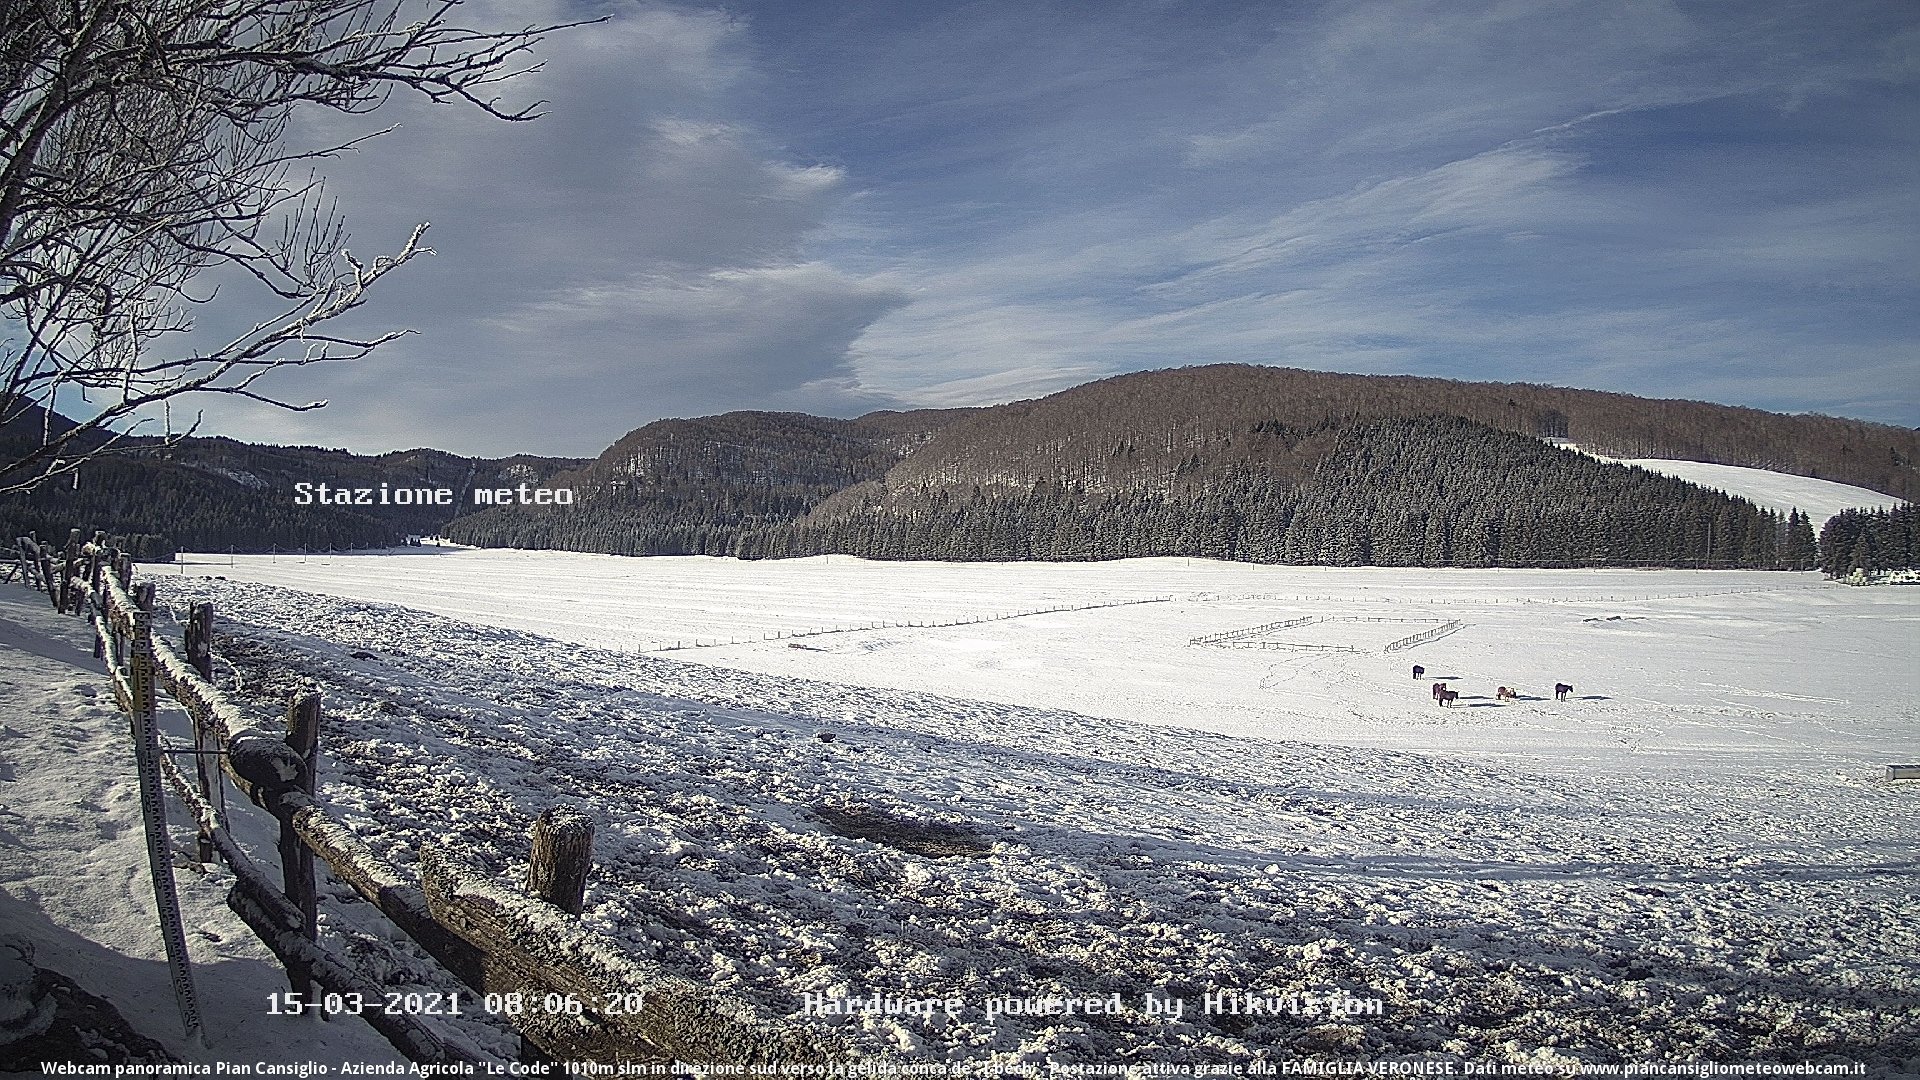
(836, 207)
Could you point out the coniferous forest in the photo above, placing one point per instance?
(1871, 540)
(1426, 492)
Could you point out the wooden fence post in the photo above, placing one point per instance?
(45, 562)
(69, 566)
(296, 858)
(200, 639)
(562, 857)
(200, 656)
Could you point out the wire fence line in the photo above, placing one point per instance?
(1245, 637)
(1425, 636)
(782, 635)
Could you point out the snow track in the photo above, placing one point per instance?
(1496, 910)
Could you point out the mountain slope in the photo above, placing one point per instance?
(693, 487)
(1133, 425)
(1430, 491)
(1780, 492)
(1229, 461)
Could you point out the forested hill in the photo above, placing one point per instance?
(1229, 461)
(217, 494)
(697, 486)
(1427, 491)
(1122, 429)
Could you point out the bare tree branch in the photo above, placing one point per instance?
(143, 143)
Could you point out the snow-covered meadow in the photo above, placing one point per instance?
(1043, 791)
(1669, 667)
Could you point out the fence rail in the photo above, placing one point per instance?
(853, 628)
(1245, 632)
(1243, 638)
(490, 936)
(1425, 636)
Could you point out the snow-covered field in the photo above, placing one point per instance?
(1695, 858)
(1818, 499)
(1669, 667)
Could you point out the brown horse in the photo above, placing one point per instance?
(1438, 689)
(1448, 697)
(1561, 690)
(1506, 693)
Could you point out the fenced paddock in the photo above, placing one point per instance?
(497, 939)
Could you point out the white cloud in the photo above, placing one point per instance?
(640, 250)
(899, 205)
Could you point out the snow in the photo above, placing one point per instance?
(74, 884)
(1818, 499)
(1667, 665)
(1695, 858)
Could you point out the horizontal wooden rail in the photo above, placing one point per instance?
(530, 943)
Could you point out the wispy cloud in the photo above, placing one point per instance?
(844, 206)
(638, 251)
(1624, 196)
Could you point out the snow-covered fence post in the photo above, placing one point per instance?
(69, 566)
(530, 948)
(45, 564)
(200, 656)
(296, 858)
(557, 874)
(200, 639)
(562, 858)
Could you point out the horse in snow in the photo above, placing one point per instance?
(1561, 690)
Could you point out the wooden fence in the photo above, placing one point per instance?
(1425, 636)
(1227, 636)
(1245, 637)
(572, 995)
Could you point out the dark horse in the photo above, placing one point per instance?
(1561, 690)
(1448, 697)
(1418, 671)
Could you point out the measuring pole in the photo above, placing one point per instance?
(153, 811)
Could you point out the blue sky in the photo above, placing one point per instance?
(837, 207)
